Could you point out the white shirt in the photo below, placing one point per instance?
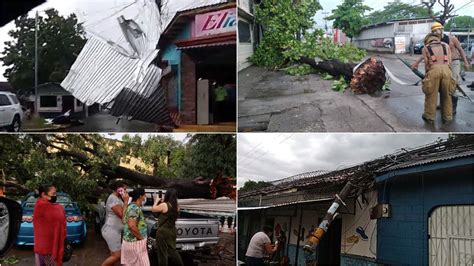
(256, 247)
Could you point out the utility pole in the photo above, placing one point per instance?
(36, 65)
(325, 13)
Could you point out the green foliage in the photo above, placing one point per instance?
(386, 86)
(154, 152)
(459, 22)
(281, 46)
(12, 260)
(349, 17)
(326, 76)
(396, 10)
(26, 161)
(285, 22)
(60, 39)
(300, 70)
(339, 85)
(210, 155)
(252, 185)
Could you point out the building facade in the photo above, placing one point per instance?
(198, 52)
(249, 32)
(393, 36)
(411, 215)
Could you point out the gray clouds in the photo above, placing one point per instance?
(273, 156)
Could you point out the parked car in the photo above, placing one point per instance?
(11, 113)
(194, 231)
(418, 47)
(76, 224)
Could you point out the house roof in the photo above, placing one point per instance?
(5, 86)
(392, 21)
(52, 89)
(183, 17)
(460, 147)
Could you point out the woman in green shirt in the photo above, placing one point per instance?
(134, 251)
(166, 232)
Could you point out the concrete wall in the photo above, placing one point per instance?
(173, 55)
(403, 238)
(245, 50)
(361, 218)
(385, 31)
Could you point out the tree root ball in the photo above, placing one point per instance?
(369, 77)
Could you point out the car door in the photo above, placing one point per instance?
(4, 110)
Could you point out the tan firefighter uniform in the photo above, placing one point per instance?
(438, 79)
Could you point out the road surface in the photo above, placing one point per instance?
(276, 102)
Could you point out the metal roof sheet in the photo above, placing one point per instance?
(436, 158)
(119, 70)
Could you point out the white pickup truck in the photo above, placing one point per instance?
(193, 231)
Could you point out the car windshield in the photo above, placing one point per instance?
(62, 199)
(14, 98)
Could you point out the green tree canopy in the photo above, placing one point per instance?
(289, 35)
(60, 39)
(461, 22)
(83, 165)
(396, 10)
(252, 185)
(349, 16)
(284, 22)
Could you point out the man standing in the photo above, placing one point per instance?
(259, 245)
(438, 79)
(456, 54)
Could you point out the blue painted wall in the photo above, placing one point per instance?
(173, 55)
(403, 238)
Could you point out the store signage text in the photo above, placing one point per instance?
(216, 22)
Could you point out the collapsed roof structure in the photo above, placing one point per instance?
(121, 68)
(323, 185)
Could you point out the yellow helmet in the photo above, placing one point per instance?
(436, 26)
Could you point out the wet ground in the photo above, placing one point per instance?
(91, 252)
(275, 101)
(94, 251)
(103, 122)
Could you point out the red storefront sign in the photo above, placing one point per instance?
(215, 22)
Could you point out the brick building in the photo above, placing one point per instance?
(198, 50)
(418, 210)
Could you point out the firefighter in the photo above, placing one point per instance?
(438, 78)
(457, 53)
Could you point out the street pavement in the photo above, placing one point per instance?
(276, 102)
(103, 122)
(94, 251)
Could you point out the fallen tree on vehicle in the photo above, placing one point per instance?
(84, 165)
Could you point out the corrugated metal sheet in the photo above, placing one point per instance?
(122, 74)
(435, 158)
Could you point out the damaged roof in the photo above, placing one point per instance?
(120, 71)
(318, 182)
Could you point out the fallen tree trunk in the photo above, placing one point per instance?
(368, 78)
(199, 187)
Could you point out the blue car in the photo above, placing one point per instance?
(76, 224)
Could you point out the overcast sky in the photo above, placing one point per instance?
(272, 156)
